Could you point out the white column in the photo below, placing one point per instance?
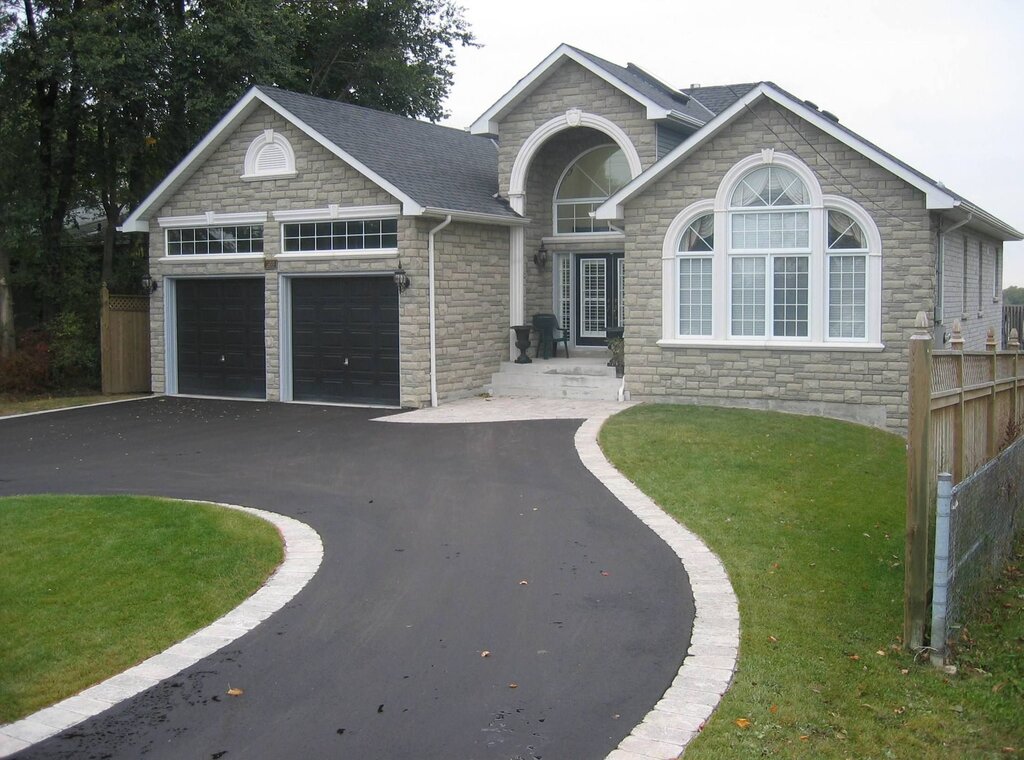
(516, 273)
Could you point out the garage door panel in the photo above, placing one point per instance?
(220, 337)
(345, 340)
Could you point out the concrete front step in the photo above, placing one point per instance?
(515, 381)
(589, 367)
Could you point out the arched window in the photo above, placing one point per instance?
(772, 262)
(269, 155)
(585, 185)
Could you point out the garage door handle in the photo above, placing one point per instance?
(222, 357)
(346, 361)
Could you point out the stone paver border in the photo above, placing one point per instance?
(710, 662)
(303, 553)
(75, 406)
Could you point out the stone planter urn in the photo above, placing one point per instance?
(523, 343)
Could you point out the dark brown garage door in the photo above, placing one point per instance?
(220, 337)
(345, 340)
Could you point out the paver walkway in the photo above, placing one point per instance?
(428, 532)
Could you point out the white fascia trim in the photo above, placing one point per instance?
(487, 123)
(772, 345)
(935, 196)
(135, 221)
(334, 211)
(368, 253)
(194, 258)
(585, 237)
(211, 219)
(476, 217)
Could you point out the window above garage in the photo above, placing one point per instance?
(215, 241)
(348, 236)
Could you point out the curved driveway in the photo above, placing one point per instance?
(428, 531)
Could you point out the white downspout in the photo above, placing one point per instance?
(433, 322)
(940, 295)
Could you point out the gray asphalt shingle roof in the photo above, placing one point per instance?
(438, 167)
(648, 86)
(719, 97)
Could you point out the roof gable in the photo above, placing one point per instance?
(937, 196)
(660, 100)
(428, 168)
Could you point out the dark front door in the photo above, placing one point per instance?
(345, 340)
(598, 296)
(220, 348)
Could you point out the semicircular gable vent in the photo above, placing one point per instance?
(271, 159)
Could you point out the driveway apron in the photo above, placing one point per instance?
(429, 533)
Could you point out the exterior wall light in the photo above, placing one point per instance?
(540, 258)
(401, 279)
(149, 284)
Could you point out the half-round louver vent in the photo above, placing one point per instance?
(269, 155)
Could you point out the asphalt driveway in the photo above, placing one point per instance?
(428, 531)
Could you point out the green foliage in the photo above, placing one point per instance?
(156, 571)
(807, 516)
(1013, 296)
(27, 370)
(74, 353)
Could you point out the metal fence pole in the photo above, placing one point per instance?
(940, 581)
(915, 582)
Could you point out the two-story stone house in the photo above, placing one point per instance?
(756, 251)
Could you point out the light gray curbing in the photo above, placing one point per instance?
(75, 406)
(710, 662)
(303, 552)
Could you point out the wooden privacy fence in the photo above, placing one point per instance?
(964, 407)
(124, 343)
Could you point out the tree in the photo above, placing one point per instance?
(1013, 296)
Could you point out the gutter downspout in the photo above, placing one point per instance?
(433, 321)
(940, 297)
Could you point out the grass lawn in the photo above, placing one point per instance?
(808, 516)
(15, 404)
(91, 585)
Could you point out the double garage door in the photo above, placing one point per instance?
(343, 338)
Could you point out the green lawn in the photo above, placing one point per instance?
(808, 516)
(92, 585)
(15, 404)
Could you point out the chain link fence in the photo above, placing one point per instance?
(976, 522)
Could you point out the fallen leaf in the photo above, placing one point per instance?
(604, 572)
(742, 722)
(485, 653)
(773, 709)
(854, 657)
(773, 640)
(899, 710)
(513, 686)
(880, 653)
(804, 738)
(998, 687)
(524, 582)
(235, 692)
(904, 671)
(1008, 750)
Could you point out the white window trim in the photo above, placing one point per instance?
(555, 203)
(721, 294)
(336, 211)
(268, 137)
(213, 219)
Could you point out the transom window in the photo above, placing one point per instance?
(348, 235)
(771, 261)
(586, 184)
(201, 241)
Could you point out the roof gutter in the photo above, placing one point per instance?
(476, 217)
(433, 318)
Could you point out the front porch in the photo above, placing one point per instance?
(583, 376)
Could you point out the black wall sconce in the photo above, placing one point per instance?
(401, 279)
(149, 284)
(540, 258)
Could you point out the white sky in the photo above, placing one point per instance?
(938, 83)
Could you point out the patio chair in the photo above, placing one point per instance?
(549, 335)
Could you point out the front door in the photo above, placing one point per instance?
(598, 296)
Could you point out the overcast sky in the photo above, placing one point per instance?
(938, 83)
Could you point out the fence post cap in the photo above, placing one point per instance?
(1014, 341)
(921, 321)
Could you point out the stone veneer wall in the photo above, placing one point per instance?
(961, 305)
(472, 291)
(863, 386)
(322, 178)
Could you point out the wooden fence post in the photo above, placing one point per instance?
(992, 440)
(915, 586)
(958, 453)
(1014, 345)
